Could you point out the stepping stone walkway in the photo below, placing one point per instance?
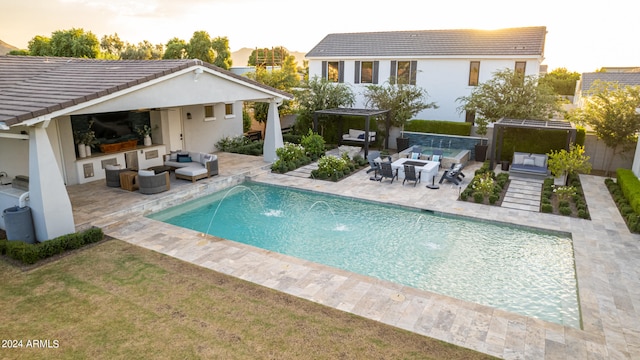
(523, 194)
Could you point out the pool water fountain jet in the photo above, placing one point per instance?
(339, 227)
(264, 210)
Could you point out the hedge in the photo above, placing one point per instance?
(32, 253)
(439, 127)
(630, 186)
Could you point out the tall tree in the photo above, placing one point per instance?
(112, 45)
(561, 80)
(200, 47)
(176, 49)
(74, 43)
(40, 46)
(511, 95)
(145, 50)
(611, 110)
(220, 46)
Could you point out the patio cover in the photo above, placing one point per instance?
(498, 132)
(367, 113)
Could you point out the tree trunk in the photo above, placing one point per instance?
(609, 162)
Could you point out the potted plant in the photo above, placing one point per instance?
(403, 101)
(563, 163)
(145, 133)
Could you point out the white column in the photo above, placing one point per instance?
(273, 133)
(48, 198)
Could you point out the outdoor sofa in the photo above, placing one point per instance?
(357, 136)
(530, 164)
(189, 165)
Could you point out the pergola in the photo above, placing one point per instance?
(367, 113)
(500, 125)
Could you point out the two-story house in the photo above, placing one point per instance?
(448, 64)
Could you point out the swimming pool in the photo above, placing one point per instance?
(518, 270)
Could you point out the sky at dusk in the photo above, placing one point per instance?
(581, 36)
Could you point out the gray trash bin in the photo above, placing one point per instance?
(19, 224)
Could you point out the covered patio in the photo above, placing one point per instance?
(48, 101)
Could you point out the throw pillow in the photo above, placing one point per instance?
(518, 159)
(173, 156)
(146, 173)
(361, 136)
(539, 160)
(529, 162)
(415, 156)
(207, 157)
(184, 159)
(436, 158)
(112, 167)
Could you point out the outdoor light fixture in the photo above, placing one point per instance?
(189, 116)
(197, 71)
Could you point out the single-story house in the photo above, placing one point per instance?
(47, 103)
(448, 64)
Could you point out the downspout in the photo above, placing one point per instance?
(22, 200)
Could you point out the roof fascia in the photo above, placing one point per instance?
(426, 57)
(194, 69)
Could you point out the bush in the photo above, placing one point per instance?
(565, 210)
(313, 145)
(32, 253)
(547, 208)
(289, 158)
(478, 197)
(331, 167)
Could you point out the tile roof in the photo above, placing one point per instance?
(33, 86)
(423, 43)
(622, 78)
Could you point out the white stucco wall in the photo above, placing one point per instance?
(445, 80)
(202, 134)
(14, 156)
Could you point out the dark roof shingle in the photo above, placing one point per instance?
(622, 78)
(422, 43)
(33, 86)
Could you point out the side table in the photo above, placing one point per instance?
(128, 180)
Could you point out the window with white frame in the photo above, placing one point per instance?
(366, 72)
(333, 71)
(474, 73)
(209, 113)
(228, 111)
(404, 72)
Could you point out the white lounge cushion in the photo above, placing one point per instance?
(146, 173)
(112, 167)
(529, 162)
(191, 171)
(518, 159)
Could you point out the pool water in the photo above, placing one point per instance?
(518, 270)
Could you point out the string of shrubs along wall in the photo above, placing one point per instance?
(32, 253)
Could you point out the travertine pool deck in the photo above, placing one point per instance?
(607, 260)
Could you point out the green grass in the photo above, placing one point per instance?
(115, 300)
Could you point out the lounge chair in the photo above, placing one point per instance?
(454, 174)
(437, 156)
(112, 175)
(375, 159)
(386, 171)
(410, 174)
(150, 183)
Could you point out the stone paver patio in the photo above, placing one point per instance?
(607, 258)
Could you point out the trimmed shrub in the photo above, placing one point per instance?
(32, 253)
(565, 210)
(478, 197)
(547, 208)
(439, 127)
